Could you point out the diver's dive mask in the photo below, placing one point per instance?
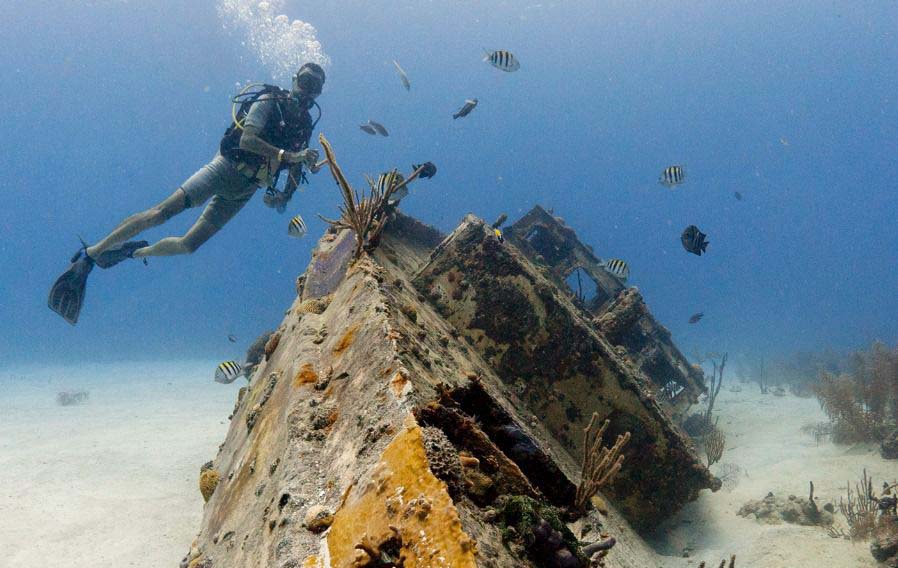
(308, 81)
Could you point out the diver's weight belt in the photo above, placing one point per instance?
(260, 174)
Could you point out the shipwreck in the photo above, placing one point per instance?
(424, 400)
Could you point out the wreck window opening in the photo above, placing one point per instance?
(535, 233)
(547, 245)
(585, 289)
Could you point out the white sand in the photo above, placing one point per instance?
(764, 440)
(112, 482)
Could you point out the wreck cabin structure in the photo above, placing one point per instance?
(619, 312)
(411, 395)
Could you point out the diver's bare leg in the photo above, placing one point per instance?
(139, 222)
(199, 233)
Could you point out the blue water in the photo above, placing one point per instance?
(110, 105)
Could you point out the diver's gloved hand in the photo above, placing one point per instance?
(276, 199)
(308, 157)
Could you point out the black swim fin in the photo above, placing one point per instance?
(124, 251)
(67, 293)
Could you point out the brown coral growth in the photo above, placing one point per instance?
(714, 442)
(209, 479)
(862, 404)
(305, 375)
(600, 464)
(314, 305)
(860, 508)
(272, 343)
(346, 340)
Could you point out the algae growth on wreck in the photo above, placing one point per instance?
(567, 284)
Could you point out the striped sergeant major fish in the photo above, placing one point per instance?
(227, 372)
(297, 227)
(390, 179)
(616, 267)
(502, 60)
(499, 236)
(387, 180)
(672, 176)
(672, 390)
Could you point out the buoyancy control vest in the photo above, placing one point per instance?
(289, 126)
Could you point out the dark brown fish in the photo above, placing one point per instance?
(693, 240)
(696, 317)
(430, 170)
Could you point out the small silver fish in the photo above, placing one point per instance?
(672, 176)
(227, 372)
(403, 77)
(737, 195)
(502, 60)
(466, 109)
(232, 338)
(378, 127)
(616, 267)
(368, 129)
(297, 227)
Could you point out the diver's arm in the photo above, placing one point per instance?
(251, 142)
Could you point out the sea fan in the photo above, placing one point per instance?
(862, 404)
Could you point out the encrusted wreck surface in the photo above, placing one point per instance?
(423, 406)
(620, 313)
(559, 367)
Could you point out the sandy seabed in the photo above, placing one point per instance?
(765, 442)
(113, 481)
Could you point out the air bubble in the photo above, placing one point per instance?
(280, 45)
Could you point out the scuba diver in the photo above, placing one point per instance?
(269, 134)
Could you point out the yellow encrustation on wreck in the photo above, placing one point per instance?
(403, 509)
